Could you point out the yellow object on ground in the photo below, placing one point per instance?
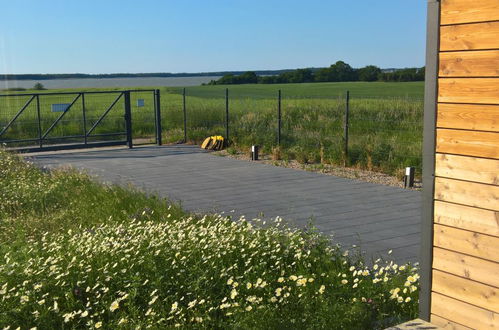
(215, 142)
(206, 143)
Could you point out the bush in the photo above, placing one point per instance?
(39, 87)
(14, 89)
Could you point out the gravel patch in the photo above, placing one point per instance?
(328, 169)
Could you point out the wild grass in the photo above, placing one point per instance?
(385, 126)
(385, 134)
(78, 254)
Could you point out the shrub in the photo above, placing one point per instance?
(39, 87)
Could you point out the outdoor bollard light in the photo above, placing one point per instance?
(409, 177)
(254, 152)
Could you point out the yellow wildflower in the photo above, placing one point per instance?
(233, 294)
(322, 288)
(114, 306)
(301, 282)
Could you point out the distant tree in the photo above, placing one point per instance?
(267, 79)
(420, 74)
(401, 75)
(323, 75)
(369, 73)
(38, 87)
(341, 71)
(285, 77)
(248, 77)
(302, 76)
(228, 79)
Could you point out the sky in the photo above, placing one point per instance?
(109, 36)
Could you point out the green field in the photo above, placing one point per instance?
(312, 90)
(385, 120)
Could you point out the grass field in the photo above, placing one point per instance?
(312, 90)
(385, 120)
(77, 254)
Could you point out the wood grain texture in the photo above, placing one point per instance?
(480, 170)
(468, 116)
(467, 193)
(463, 313)
(466, 217)
(446, 324)
(467, 242)
(460, 11)
(478, 294)
(484, 63)
(469, 90)
(469, 36)
(466, 266)
(468, 143)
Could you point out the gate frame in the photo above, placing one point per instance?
(85, 144)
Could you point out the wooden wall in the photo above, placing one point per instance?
(465, 271)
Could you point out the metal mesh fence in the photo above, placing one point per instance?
(25, 126)
(252, 121)
(312, 128)
(142, 105)
(383, 132)
(104, 114)
(386, 132)
(205, 116)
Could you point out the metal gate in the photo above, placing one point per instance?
(70, 120)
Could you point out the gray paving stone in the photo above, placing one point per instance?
(377, 218)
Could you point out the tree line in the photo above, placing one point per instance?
(340, 71)
(50, 76)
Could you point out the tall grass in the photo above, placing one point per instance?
(385, 134)
(77, 254)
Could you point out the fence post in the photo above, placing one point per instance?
(279, 118)
(185, 116)
(84, 118)
(157, 107)
(39, 120)
(345, 137)
(226, 116)
(128, 119)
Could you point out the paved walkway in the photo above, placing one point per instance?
(377, 218)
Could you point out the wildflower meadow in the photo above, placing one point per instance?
(75, 253)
